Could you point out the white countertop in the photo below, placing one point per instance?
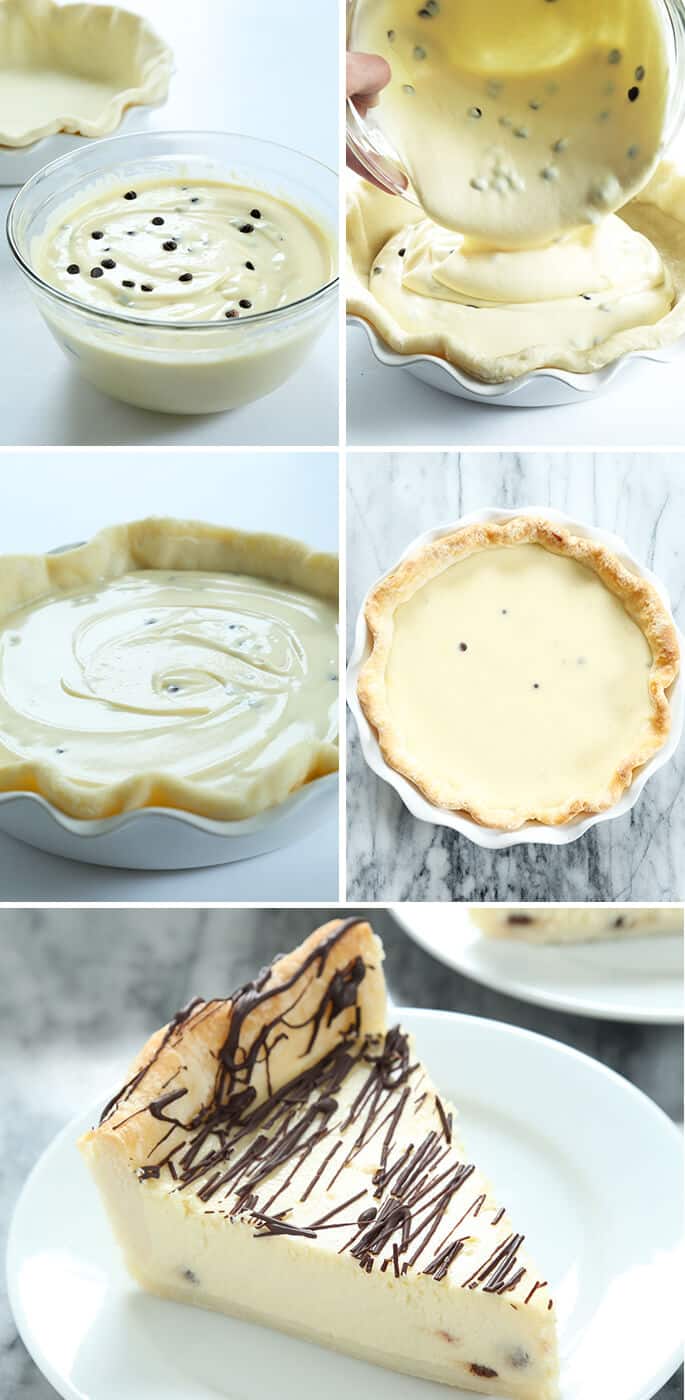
(231, 75)
(61, 498)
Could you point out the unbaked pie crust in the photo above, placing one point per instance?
(518, 672)
(75, 68)
(375, 218)
(168, 664)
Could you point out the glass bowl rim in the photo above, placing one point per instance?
(152, 323)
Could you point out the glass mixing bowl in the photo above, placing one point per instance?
(194, 367)
(370, 144)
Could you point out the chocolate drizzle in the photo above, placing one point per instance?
(245, 1153)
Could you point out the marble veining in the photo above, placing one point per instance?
(81, 989)
(392, 498)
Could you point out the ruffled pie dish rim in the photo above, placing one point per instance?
(148, 89)
(539, 386)
(119, 549)
(534, 833)
(149, 141)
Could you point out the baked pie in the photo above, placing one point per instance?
(283, 1156)
(168, 664)
(518, 672)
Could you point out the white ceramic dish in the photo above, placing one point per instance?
(541, 388)
(157, 838)
(19, 163)
(636, 979)
(533, 833)
(597, 1193)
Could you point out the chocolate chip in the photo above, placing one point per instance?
(619, 922)
(250, 266)
(186, 277)
(97, 233)
(190, 1277)
(158, 220)
(402, 253)
(173, 689)
(536, 685)
(108, 263)
(170, 246)
(146, 287)
(255, 214)
(247, 228)
(639, 73)
(96, 272)
(485, 1371)
(463, 646)
(245, 304)
(130, 194)
(615, 56)
(230, 314)
(128, 283)
(73, 269)
(519, 1358)
(60, 750)
(194, 199)
(633, 94)
(475, 112)
(519, 919)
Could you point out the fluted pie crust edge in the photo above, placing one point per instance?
(639, 597)
(158, 543)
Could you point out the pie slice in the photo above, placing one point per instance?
(532, 924)
(283, 1156)
(518, 672)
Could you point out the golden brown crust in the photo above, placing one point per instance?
(637, 594)
(158, 543)
(185, 1055)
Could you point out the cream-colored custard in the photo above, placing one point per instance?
(519, 124)
(520, 679)
(580, 290)
(184, 251)
(217, 679)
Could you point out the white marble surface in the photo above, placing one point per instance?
(267, 69)
(55, 498)
(80, 991)
(392, 498)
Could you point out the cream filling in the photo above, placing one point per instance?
(575, 294)
(184, 251)
(517, 126)
(533, 925)
(206, 1254)
(518, 678)
(212, 677)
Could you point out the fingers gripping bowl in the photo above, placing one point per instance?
(158, 341)
(170, 673)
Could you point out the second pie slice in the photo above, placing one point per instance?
(283, 1156)
(518, 672)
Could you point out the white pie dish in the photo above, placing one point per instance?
(540, 388)
(638, 980)
(156, 838)
(534, 833)
(142, 66)
(92, 1332)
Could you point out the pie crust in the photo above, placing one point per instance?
(94, 62)
(515, 772)
(267, 755)
(373, 218)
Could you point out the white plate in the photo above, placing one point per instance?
(597, 1192)
(633, 979)
(540, 388)
(532, 833)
